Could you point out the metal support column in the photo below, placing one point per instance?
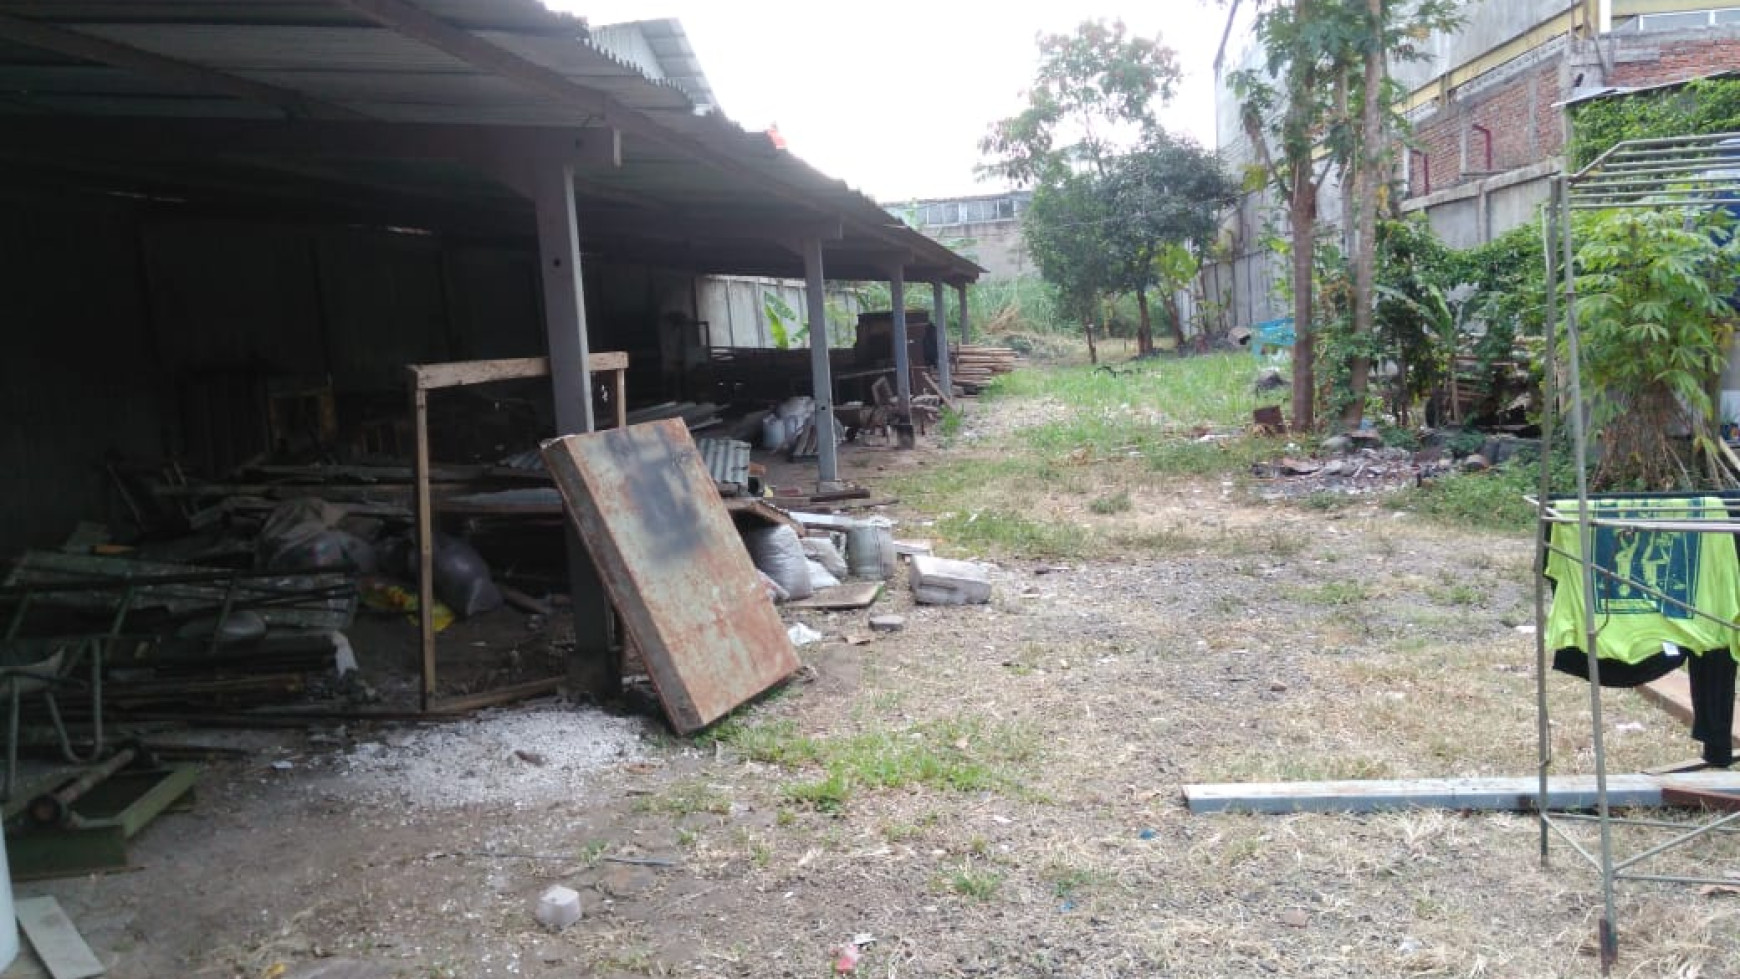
(961, 302)
(594, 665)
(821, 372)
(902, 365)
(939, 324)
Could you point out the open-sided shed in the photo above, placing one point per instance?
(199, 198)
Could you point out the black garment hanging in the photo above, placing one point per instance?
(1618, 673)
(1712, 676)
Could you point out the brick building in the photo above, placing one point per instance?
(1487, 106)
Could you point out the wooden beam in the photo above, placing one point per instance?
(104, 51)
(1570, 792)
(463, 372)
(425, 552)
(1700, 799)
(498, 696)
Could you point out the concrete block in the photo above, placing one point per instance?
(940, 581)
(887, 623)
(559, 908)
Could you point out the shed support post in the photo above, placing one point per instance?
(939, 327)
(902, 363)
(961, 303)
(594, 665)
(821, 371)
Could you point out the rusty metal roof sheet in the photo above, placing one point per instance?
(675, 567)
(728, 461)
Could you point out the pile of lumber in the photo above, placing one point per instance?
(975, 366)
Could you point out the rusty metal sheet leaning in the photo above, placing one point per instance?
(676, 570)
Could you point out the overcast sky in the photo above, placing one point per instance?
(893, 96)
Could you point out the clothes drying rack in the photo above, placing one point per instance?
(1687, 173)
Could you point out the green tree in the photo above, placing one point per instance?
(1302, 98)
(1166, 194)
(1111, 188)
(1065, 231)
(1653, 308)
(1091, 87)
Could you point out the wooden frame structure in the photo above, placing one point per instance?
(465, 373)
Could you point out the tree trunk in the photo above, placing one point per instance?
(1297, 126)
(1087, 327)
(1177, 320)
(1371, 153)
(1302, 215)
(1144, 335)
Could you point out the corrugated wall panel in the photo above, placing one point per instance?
(76, 379)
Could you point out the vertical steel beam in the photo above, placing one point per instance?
(939, 324)
(594, 665)
(902, 363)
(821, 372)
(564, 297)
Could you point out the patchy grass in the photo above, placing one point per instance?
(1269, 766)
(1459, 593)
(957, 754)
(973, 882)
(1007, 532)
(1332, 593)
(1491, 500)
(1111, 503)
(1217, 457)
(1212, 390)
(687, 799)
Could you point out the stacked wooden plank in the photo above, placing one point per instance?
(976, 365)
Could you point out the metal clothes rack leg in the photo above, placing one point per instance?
(1684, 172)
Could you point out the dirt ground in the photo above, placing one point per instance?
(991, 791)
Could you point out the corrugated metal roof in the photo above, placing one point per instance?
(728, 462)
(676, 153)
(669, 46)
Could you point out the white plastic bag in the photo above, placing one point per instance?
(776, 551)
(822, 551)
(819, 576)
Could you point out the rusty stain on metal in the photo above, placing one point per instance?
(676, 570)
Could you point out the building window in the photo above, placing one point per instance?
(945, 213)
(1685, 21)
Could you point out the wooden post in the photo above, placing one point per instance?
(594, 665)
(939, 325)
(902, 363)
(961, 301)
(821, 372)
(425, 551)
(619, 395)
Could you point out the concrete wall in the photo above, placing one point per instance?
(999, 246)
